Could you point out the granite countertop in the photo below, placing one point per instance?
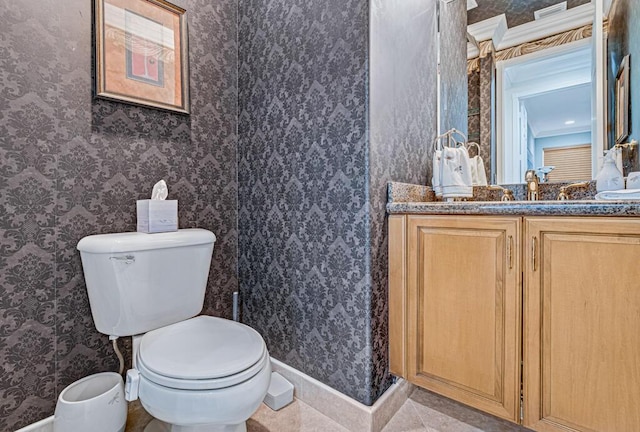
(414, 199)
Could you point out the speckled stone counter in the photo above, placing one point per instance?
(415, 199)
(518, 208)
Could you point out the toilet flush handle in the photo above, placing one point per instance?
(127, 259)
(132, 385)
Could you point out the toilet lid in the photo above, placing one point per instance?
(201, 348)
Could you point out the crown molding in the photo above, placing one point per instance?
(562, 131)
(575, 35)
(489, 28)
(503, 37)
(472, 51)
(534, 30)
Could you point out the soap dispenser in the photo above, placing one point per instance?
(609, 178)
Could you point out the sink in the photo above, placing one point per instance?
(545, 202)
(521, 203)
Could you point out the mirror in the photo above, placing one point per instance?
(536, 83)
(544, 112)
(623, 41)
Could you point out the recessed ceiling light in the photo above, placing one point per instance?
(570, 122)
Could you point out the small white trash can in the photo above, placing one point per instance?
(94, 403)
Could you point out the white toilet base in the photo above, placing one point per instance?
(159, 426)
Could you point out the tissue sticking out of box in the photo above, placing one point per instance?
(158, 214)
(160, 191)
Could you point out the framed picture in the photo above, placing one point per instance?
(141, 53)
(622, 101)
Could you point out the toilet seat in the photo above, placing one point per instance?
(202, 353)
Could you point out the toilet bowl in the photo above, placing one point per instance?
(201, 374)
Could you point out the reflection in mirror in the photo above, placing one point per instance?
(545, 113)
(536, 86)
(624, 40)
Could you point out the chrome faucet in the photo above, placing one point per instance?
(533, 185)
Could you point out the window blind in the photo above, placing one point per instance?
(572, 163)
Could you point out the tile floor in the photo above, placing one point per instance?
(422, 412)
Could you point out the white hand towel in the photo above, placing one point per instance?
(619, 159)
(455, 172)
(619, 195)
(478, 174)
(436, 180)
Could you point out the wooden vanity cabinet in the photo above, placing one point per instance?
(471, 295)
(582, 324)
(461, 303)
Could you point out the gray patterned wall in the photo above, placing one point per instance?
(313, 248)
(311, 183)
(453, 66)
(303, 216)
(402, 126)
(71, 166)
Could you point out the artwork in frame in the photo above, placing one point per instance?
(622, 101)
(141, 53)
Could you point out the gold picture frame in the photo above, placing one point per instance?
(142, 53)
(622, 101)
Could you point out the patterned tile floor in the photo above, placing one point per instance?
(422, 412)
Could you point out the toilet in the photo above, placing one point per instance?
(191, 373)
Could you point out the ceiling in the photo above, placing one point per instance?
(548, 112)
(554, 89)
(517, 11)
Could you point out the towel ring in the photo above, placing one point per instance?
(473, 144)
(451, 140)
(455, 131)
(437, 143)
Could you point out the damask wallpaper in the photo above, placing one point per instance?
(473, 105)
(315, 152)
(303, 219)
(402, 113)
(279, 158)
(73, 166)
(453, 66)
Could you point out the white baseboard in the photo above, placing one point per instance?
(45, 425)
(351, 414)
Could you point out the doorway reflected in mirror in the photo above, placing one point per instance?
(513, 117)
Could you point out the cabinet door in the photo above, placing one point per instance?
(463, 306)
(582, 324)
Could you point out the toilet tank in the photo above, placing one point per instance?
(139, 282)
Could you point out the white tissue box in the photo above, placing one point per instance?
(155, 216)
